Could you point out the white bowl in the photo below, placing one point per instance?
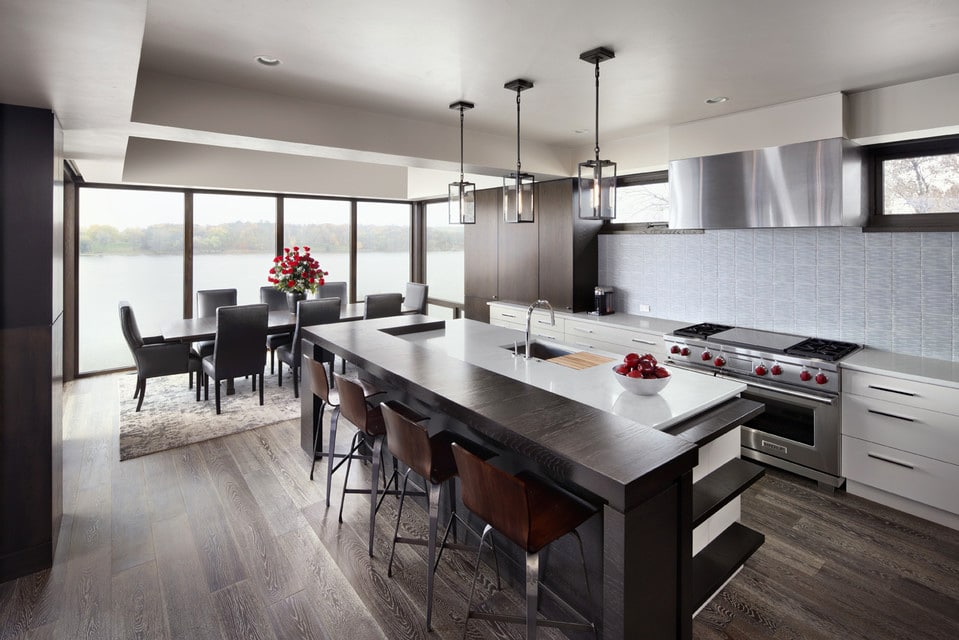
(641, 386)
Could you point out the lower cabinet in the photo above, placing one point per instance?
(900, 444)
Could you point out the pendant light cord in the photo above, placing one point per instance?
(596, 128)
(518, 165)
(461, 145)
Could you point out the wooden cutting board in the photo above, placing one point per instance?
(580, 360)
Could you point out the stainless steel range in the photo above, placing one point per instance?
(796, 377)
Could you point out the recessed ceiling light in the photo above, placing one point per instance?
(717, 99)
(269, 61)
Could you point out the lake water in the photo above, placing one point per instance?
(153, 286)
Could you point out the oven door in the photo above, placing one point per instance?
(799, 428)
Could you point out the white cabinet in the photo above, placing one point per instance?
(900, 444)
(513, 317)
(591, 334)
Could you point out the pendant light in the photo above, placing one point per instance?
(462, 193)
(518, 187)
(596, 186)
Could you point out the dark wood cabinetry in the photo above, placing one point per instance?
(31, 339)
(554, 258)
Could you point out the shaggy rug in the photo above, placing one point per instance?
(171, 417)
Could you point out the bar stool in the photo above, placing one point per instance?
(431, 458)
(368, 419)
(531, 513)
(320, 387)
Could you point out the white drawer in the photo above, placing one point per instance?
(546, 332)
(908, 392)
(506, 314)
(626, 339)
(904, 474)
(589, 344)
(927, 433)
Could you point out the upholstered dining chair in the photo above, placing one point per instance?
(152, 356)
(308, 313)
(207, 302)
(276, 300)
(383, 305)
(333, 290)
(238, 347)
(415, 299)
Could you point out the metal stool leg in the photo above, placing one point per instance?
(434, 507)
(318, 431)
(469, 601)
(396, 530)
(532, 593)
(349, 463)
(374, 481)
(334, 418)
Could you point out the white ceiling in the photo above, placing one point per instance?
(370, 81)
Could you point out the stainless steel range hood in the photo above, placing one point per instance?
(809, 184)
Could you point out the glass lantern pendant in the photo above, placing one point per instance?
(462, 194)
(596, 182)
(518, 186)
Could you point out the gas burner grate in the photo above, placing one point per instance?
(701, 330)
(830, 350)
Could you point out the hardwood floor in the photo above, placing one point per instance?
(229, 539)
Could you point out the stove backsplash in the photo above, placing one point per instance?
(891, 291)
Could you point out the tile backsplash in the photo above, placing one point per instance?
(891, 291)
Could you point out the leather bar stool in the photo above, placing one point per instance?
(368, 419)
(320, 387)
(532, 513)
(431, 458)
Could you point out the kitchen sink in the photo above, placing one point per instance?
(540, 350)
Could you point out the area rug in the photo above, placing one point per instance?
(171, 417)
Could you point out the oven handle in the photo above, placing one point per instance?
(821, 399)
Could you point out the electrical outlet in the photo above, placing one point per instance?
(644, 308)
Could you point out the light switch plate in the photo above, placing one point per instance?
(644, 308)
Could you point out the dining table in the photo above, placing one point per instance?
(279, 321)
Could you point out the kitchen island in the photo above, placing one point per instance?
(632, 456)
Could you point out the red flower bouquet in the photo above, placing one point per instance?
(296, 271)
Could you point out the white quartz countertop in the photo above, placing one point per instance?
(928, 370)
(687, 394)
(646, 324)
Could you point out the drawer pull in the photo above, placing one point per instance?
(581, 330)
(898, 463)
(546, 337)
(544, 322)
(891, 415)
(649, 342)
(583, 344)
(887, 389)
(508, 315)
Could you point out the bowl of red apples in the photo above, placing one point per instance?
(641, 374)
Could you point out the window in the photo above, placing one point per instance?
(382, 247)
(131, 248)
(324, 227)
(233, 243)
(915, 184)
(444, 254)
(643, 199)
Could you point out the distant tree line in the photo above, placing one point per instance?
(256, 237)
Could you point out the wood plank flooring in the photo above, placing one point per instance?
(230, 539)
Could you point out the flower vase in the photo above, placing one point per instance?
(293, 297)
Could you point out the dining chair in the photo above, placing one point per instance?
(238, 347)
(153, 357)
(416, 296)
(308, 313)
(207, 302)
(333, 290)
(383, 305)
(276, 300)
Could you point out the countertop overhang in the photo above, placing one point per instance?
(577, 424)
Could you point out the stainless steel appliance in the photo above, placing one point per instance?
(796, 377)
(603, 301)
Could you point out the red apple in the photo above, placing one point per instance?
(661, 372)
(621, 370)
(635, 373)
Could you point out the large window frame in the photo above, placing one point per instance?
(631, 180)
(416, 261)
(875, 155)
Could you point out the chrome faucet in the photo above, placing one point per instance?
(529, 319)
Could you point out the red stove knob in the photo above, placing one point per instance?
(776, 370)
(684, 351)
(805, 376)
(720, 361)
(821, 378)
(760, 370)
(674, 348)
(706, 355)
